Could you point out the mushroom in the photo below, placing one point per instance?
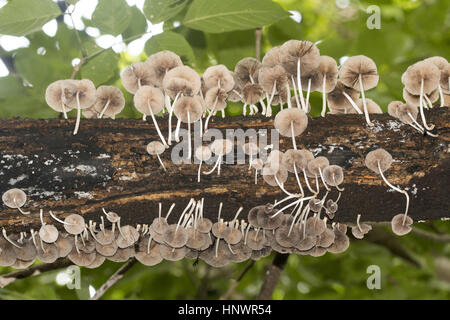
(15, 199)
(216, 100)
(202, 153)
(80, 94)
(273, 80)
(333, 176)
(360, 73)
(220, 147)
(401, 224)
(291, 122)
(110, 101)
(444, 68)
(156, 148)
(247, 71)
(360, 230)
(329, 70)
(316, 166)
(342, 99)
(314, 79)
(54, 97)
(251, 149)
(137, 75)
(378, 161)
(160, 63)
(150, 101)
(256, 164)
(48, 232)
(218, 76)
(252, 93)
(419, 79)
(372, 106)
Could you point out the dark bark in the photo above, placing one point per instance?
(272, 276)
(106, 165)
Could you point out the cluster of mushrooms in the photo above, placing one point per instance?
(301, 222)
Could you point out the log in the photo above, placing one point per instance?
(106, 166)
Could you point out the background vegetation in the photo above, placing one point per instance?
(410, 30)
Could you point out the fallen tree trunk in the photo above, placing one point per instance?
(106, 166)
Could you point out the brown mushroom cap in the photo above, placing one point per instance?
(255, 239)
(329, 70)
(400, 228)
(355, 66)
(292, 50)
(444, 79)
(122, 255)
(241, 251)
(14, 198)
(415, 99)
(252, 93)
(269, 173)
(85, 89)
(246, 68)
(65, 245)
(183, 80)
(137, 75)
(297, 158)
(98, 261)
(27, 250)
(127, 237)
(106, 249)
(341, 242)
(338, 103)
(175, 237)
(22, 264)
(196, 239)
(92, 114)
(218, 74)
(49, 254)
(172, 254)
(220, 229)
(203, 153)
(315, 226)
(270, 76)
(316, 78)
(381, 156)
(185, 105)
(272, 57)
(318, 163)
(438, 61)
(286, 239)
(155, 148)
(404, 110)
(393, 108)
(53, 96)
(221, 146)
(250, 148)
(7, 254)
(333, 175)
(219, 94)
(361, 231)
(233, 237)
(422, 70)
(111, 95)
(48, 233)
(372, 106)
(160, 63)
(291, 116)
(74, 224)
(150, 258)
(149, 96)
(257, 164)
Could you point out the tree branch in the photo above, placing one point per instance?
(258, 34)
(237, 281)
(119, 274)
(272, 276)
(431, 235)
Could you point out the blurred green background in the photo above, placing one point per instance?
(115, 33)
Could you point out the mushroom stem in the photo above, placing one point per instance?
(263, 106)
(282, 187)
(199, 171)
(441, 95)
(77, 123)
(324, 100)
(160, 161)
(396, 189)
(169, 138)
(295, 92)
(289, 205)
(299, 87)
(308, 91)
(211, 113)
(18, 207)
(189, 135)
(323, 180)
(294, 144)
(357, 222)
(148, 244)
(337, 187)
(307, 182)
(215, 166)
(59, 220)
(415, 124)
(244, 109)
(104, 109)
(9, 240)
(422, 114)
(272, 94)
(298, 180)
(177, 131)
(156, 124)
(366, 112)
(295, 217)
(256, 176)
(64, 110)
(352, 103)
(288, 95)
(430, 104)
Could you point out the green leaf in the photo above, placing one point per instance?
(216, 16)
(21, 17)
(74, 2)
(137, 26)
(102, 67)
(161, 10)
(112, 16)
(170, 41)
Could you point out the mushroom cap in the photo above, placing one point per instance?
(98, 261)
(255, 239)
(422, 70)
(155, 148)
(444, 79)
(216, 93)
(252, 216)
(361, 231)
(137, 75)
(315, 77)
(220, 229)
(291, 117)
(204, 225)
(372, 106)
(297, 158)
(333, 175)
(329, 70)
(415, 99)
(233, 237)
(246, 69)
(203, 153)
(381, 156)
(48, 233)
(160, 63)
(270, 76)
(49, 254)
(293, 50)
(404, 110)
(202, 102)
(400, 228)
(252, 93)
(338, 102)
(92, 114)
(318, 163)
(74, 224)
(183, 80)
(257, 164)
(306, 243)
(64, 244)
(315, 204)
(286, 239)
(241, 251)
(341, 242)
(7, 254)
(53, 96)
(272, 57)
(127, 237)
(185, 105)
(172, 254)
(122, 255)
(355, 66)
(269, 173)
(149, 97)
(393, 108)
(275, 159)
(106, 249)
(112, 95)
(326, 238)
(22, 264)
(250, 148)
(315, 226)
(81, 259)
(265, 219)
(218, 74)
(196, 239)
(153, 257)
(438, 61)
(175, 237)
(159, 225)
(27, 250)
(85, 89)
(221, 146)
(14, 198)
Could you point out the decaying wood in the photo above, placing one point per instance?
(106, 166)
